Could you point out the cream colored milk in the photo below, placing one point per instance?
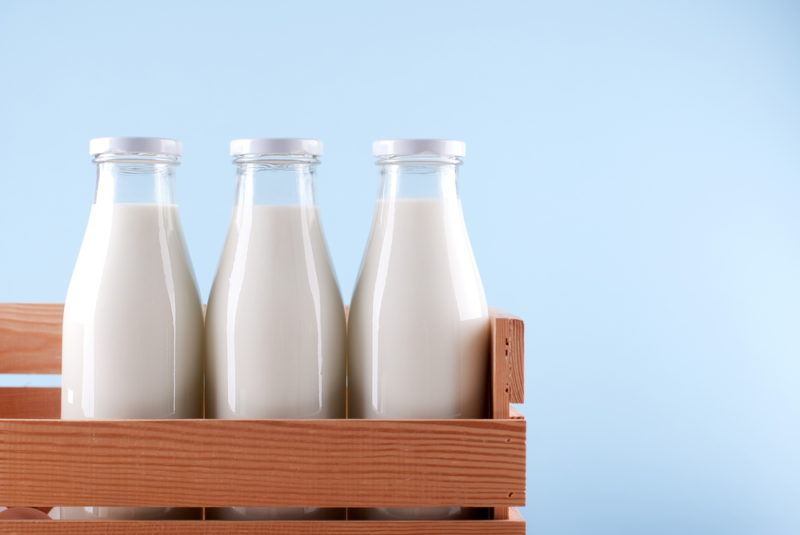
(132, 343)
(419, 325)
(275, 329)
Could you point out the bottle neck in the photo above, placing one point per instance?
(275, 180)
(135, 178)
(421, 178)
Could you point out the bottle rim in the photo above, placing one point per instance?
(419, 159)
(268, 159)
(383, 148)
(137, 158)
(276, 147)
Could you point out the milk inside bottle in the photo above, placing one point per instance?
(418, 328)
(132, 344)
(275, 324)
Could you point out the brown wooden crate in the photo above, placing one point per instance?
(326, 463)
(30, 343)
(30, 338)
(267, 527)
(22, 402)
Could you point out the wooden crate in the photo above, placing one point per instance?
(207, 463)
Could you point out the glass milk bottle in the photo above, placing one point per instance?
(275, 324)
(419, 325)
(132, 344)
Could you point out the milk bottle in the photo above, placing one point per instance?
(132, 344)
(275, 325)
(419, 326)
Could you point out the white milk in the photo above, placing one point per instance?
(275, 329)
(419, 325)
(133, 327)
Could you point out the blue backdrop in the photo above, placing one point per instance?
(631, 188)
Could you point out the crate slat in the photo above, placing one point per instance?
(325, 463)
(22, 402)
(30, 338)
(507, 365)
(266, 527)
(30, 341)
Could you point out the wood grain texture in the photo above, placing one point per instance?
(507, 372)
(22, 402)
(266, 527)
(510, 332)
(325, 463)
(30, 338)
(507, 363)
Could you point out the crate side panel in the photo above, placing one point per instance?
(22, 402)
(507, 363)
(30, 338)
(325, 463)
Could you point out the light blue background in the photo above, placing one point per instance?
(631, 189)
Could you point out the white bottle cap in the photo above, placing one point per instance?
(408, 147)
(147, 145)
(276, 145)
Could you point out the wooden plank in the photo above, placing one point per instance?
(30, 338)
(507, 372)
(507, 364)
(501, 402)
(30, 342)
(324, 463)
(510, 342)
(267, 527)
(23, 402)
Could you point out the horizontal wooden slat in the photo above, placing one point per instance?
(30, 338)
(21, 402)
(30, 341)
(324, 463)
(266, 527)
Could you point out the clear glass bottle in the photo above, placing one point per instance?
(418, 330)
(275, 323)
(132, 344)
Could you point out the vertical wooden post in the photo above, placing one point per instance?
(507, 373)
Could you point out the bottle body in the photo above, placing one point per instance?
(275, 325)
(418, 331)
(419, 323)
(275, 320)
(132, 340)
